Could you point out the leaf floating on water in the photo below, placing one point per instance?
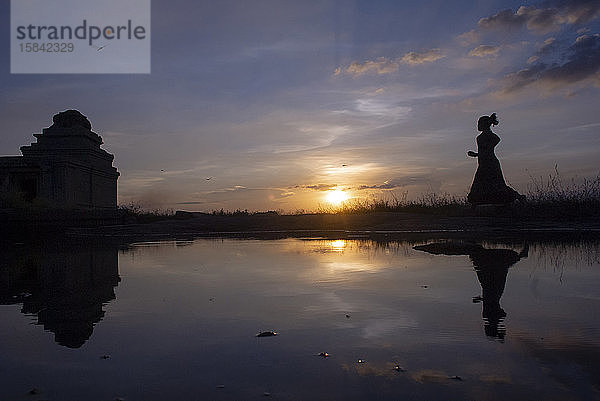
(457, 378)
(324, 354)
(267, 334)
(399, 368)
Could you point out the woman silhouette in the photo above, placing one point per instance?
(488, 185)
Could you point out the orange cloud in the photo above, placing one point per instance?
(415, 58)
(485, 51)
(380, 66)
(383, 65)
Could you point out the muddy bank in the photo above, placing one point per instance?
(359, 224)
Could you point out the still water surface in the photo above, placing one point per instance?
(178, 321)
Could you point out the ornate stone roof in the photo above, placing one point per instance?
(70, 119)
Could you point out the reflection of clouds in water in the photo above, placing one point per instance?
(424, 376)
(336, 270)
(383, 327)
(331, 302)
(563, 349)
(372, 369)
(430, 376)
(534, 287)
(496, 379)
(372, 328)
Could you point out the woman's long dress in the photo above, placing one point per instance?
(488, 185)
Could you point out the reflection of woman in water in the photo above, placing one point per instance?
(488, 185)
(491, 267)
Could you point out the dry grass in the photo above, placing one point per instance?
(546, 197)
(427, 203)
(553, 189)
(553, 196)
(134, 212)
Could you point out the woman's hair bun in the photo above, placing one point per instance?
(494, 119)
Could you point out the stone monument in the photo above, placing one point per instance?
(64, 168)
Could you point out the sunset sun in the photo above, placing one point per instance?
(337, 197)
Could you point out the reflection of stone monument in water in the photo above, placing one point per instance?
(65, 288)
(491, 267)
(65, 167)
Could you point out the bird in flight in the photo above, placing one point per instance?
(98, 48)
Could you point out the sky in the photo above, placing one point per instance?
(282, 102)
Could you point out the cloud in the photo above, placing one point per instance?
(543, 20)
(550, 45)
(468, 38)
(504, 20)
(580, 11)
(485, 51)
(381, 108)
(385, 185)
(582, 61)
(423, 179)
(415, 58)
(318, 187)
(383, 65)
(519, 79)
(380, 66)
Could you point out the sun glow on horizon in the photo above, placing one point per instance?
(336, 197)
